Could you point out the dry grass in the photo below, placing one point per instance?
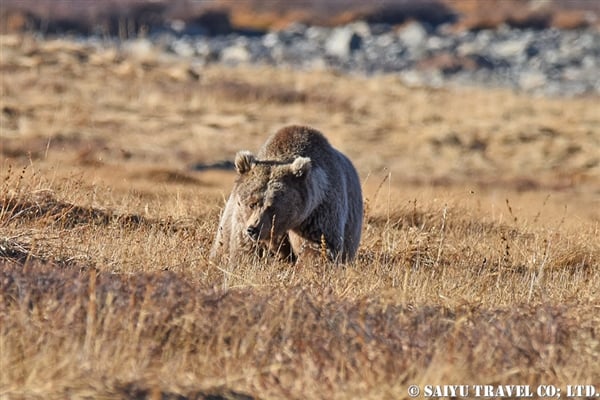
(480, 244)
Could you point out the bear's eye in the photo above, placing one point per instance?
(253, 204)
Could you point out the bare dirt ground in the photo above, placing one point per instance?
(480, 259)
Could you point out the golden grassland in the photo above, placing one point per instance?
(479, 264)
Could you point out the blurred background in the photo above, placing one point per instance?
(499, 92)
(543, 46)
(224, 16)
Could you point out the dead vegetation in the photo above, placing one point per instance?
(105, 226)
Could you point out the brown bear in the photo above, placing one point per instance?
(297, 198)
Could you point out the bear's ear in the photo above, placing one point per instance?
(301, 166)
(244, 161)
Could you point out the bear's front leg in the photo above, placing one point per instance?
(307, 250)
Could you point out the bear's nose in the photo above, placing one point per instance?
(253, 232)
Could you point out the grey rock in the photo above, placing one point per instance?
(139, 48)
(204, 51)
(235, 54)
(271, 39)
(183, 48)
(385, 40)
(547, 61)
(590, 62)
(529, 80)
(342, 42)
(316, 34)
(469, 48)
(510, 48)
(413, 35)
(439, 43)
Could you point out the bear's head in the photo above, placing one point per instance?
(276, 196)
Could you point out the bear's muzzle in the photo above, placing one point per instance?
(253, 232)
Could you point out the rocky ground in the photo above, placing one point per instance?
(548, 48)
(549, 61)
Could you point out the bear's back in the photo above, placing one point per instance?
(341, 209)
(293, 141)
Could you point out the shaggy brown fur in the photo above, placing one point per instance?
(297, 198)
